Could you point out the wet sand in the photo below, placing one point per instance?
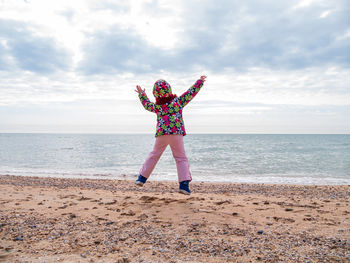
(82, 220)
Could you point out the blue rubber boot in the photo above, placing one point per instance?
(184, 188)
(141, 180)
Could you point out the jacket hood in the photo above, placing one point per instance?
(162, 89)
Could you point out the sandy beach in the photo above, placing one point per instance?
(83, 220)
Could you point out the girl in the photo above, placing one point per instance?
(170, 129)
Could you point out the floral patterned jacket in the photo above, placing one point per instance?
(169, 115)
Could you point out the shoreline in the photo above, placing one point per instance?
(329, 180)
(171, 186)
(103, 220)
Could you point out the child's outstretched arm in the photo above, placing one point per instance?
(185, 98)
(150, 106)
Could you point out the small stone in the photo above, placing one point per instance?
(18, 239)
(235, 214)
(123, 260)
(260, 232)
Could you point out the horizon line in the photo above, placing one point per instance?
(195, 133)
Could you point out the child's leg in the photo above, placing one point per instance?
(159, 146)
(178, 150)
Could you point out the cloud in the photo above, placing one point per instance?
(4, 63)
(279, 63)
(117, 51)
(116, 7)
(232, 35)
(268, 34)
(153, 36)
(31, 52)
(68, 14)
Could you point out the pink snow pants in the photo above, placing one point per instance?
(177, 147)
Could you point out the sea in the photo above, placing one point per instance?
(238, 158)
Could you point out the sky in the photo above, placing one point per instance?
(273, 66)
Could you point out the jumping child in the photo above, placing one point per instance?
(170, 129)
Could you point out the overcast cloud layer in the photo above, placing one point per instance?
(272, 66)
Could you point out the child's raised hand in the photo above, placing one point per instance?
(203, 78)
(139, 90)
